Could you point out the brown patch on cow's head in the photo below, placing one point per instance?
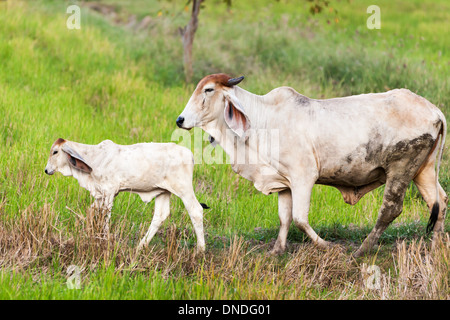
(219, 79)
(59, 142)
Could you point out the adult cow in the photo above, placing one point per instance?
(355, 144)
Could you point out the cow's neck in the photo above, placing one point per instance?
(235, 146)
(253, 105)
(246, 157)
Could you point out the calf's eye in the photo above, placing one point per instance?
(55, 152)
(209, 90)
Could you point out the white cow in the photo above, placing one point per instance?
(355, 144)
(147, 169)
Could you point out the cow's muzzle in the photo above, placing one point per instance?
(180, 121)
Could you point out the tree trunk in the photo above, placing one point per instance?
(187, 34)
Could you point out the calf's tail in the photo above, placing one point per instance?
(204, 206)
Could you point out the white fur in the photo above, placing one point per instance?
(319, 141)
(147, 169)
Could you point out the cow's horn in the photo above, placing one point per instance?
(235, 81)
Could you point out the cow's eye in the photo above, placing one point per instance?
(209, 90)
(55, 152)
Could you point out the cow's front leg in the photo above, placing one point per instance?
(285, 215)
(301, 197)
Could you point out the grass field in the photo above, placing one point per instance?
(110, 81)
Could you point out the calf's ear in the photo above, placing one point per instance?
(75, 160)
(235, 116)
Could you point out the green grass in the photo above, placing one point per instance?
(106, 81)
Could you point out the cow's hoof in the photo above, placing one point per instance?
(360, 252)
(365, 249)
(276, 252)
(323, 245)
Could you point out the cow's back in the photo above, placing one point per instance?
(143, 165)
(351, 138)
(359, 135)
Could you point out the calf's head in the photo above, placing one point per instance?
(63, 158)
(214, 99)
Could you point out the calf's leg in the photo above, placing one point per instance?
(162, 211)
(195, 211)
(104, 206)
(182, 188)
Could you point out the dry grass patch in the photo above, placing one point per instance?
(38, 241)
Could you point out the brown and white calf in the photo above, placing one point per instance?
(354, 143)
(147, 169)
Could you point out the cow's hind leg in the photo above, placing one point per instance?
(285, 215)
(391, 208)
(426, 184)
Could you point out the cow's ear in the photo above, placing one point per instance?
(75, 160)
(235, 116)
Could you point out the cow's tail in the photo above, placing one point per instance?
(435, 210)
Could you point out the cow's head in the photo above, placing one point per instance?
(214, 99)
(63, 157)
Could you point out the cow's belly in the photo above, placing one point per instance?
(352, 176)
(267, 179)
